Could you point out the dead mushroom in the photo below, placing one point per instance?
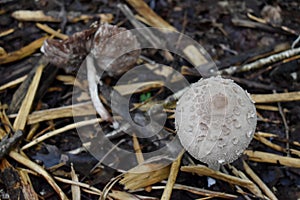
(105, 48)
(215, 121)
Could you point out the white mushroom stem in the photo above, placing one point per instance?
(93, 89)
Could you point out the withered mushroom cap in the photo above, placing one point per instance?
(108, 44)
(215, 120)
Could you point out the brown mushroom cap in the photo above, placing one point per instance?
(215, 121)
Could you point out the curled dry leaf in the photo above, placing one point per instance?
(215, 121)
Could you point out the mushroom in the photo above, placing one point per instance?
(215, 120)
(104, 47)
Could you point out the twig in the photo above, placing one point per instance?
(262, 62)
(286, 127)
(7, 143)
(295, 42)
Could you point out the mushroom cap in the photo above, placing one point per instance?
(215, 120)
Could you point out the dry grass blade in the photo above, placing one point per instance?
(75, 188)
(240, 174)
(139, 154)
(6, 32)
(35, 167)
(27, 185)
(172, 177)
(259, 182)
(49, 30)
(109, 185)
(60, 130)
(278, 97)
(75, 110)
(23, 52)
(138, 87)
(200, 191)
(13, 83)
(21, 119)
(134, 179)
(270, 108)
(205, 171)
(196, 57)
(40, 16)
(80, 184)
(259, 156)
(137, 149)
(143, 9)
(269, 144)
(127, 196)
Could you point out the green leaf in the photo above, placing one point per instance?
(145, 97)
